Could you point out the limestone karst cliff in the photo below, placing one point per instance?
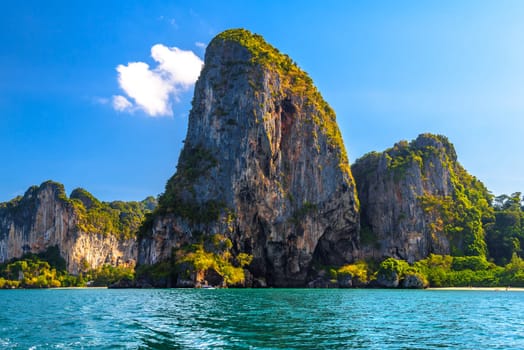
(88, 233)
(263, 194)
(263, 169)
(416, 199)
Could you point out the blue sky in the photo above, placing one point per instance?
(391, 70)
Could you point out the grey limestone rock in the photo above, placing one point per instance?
(403, 192)
(388, 279)
(413, 281)
(263, 163)
(44, 217)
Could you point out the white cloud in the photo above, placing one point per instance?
(121, 104)
(183, 67)
(154, 90)
(149, 90)
(200, 45)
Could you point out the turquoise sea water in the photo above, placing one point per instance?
(260, 318)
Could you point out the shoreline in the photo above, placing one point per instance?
(479, 289)
(75, 288)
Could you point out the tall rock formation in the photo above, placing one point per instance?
(88, 233)
(263, 165)
(416, 199)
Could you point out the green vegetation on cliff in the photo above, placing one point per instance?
(425, 147)
(359, 273)
(505, 234)
(212, 254)
(122, 219)
(461, 216)
(483, 235)
(208, 262)
(180, 195)
(455, 203)
(294, 82)
(118, 218)
(262, 52)
(48, 270)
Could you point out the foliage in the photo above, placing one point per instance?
(445, 271)
(474, 263)
(31, 271)
(418, 152)
(213, 253)
(458, 209)
(158, 274)
(472, 209)
(146, 229)
(107, 275)
(52, 256)
(505, 234)
(306, 209)
(402, 155)
(13, 203)
(474, 271)
(392, 265)
(262, 52)
(122, 219)
(360, 271)
(48, 270)
(244, 259)
(180, 195)
(461, 214)
(118, 218)
(8, 284)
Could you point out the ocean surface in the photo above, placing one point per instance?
(260, 319)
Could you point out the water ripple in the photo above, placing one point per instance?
(260, 319)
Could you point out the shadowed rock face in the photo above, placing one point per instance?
(263, 163)
(44, 217)
(417, 199)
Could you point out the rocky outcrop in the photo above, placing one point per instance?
(263, 164)
(391, 279)
(414, 281)
(416, 199)
(87, 235)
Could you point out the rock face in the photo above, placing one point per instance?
(44, 217)
(263, 164)
(389, 280)
(414, 281)
(416, 199)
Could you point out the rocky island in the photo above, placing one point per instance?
(263, 171)
(264, 196)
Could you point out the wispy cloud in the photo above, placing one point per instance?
(122, 104)
(154, 90)
(200, 45)
(100, 100)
